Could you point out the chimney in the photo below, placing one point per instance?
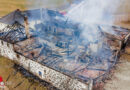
(26, 27)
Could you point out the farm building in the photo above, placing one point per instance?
(53, 48)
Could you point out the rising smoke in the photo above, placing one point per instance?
(93, 11)
(87, 13)
(90, 14)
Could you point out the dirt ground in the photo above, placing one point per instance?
(15, 80)
(121, 77)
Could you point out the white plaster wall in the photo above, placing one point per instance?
(7, 50)
(57, 79)
(2, 26)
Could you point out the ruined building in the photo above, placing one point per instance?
(53, 48)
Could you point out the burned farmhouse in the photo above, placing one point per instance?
(53, 48)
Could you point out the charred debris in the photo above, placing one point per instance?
(48, 38)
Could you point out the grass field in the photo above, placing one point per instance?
(7, 6)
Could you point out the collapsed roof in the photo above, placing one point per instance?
(59, 44)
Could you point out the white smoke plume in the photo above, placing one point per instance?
(89, 14)
(93, 11)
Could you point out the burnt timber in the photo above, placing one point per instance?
(51, 49)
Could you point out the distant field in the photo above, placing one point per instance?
(7, 6)
(124, 7)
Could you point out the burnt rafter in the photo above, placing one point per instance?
(13, 33)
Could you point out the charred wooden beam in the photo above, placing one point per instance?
(26, 24)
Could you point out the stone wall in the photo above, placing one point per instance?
(56, 78)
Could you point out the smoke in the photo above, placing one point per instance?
(88, 14)
(93, 11)
(83, 42)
